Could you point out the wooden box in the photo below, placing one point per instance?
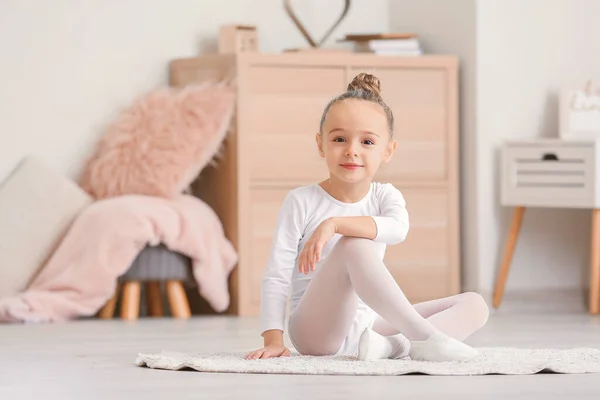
(272, 150)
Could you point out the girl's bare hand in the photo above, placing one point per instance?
(311, 253)
(272, 350)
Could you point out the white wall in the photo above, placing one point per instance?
(518, 57)
(68, 65)
(526, 51)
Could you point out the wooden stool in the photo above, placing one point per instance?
(152, 266)
(513, 234)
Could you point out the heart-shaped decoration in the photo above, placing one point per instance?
(302, 29)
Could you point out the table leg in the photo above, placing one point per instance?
(594, 305)
(154, 299)
(180, 308)
(130, 300)
(108, 310)
(511, 243)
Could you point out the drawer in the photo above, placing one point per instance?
(421, 264)
(278, 136)
(419, 100)
(415, 160)
(422, 283)
(291, 80)
(264, 209)
(549, 174)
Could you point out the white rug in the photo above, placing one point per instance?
(498, 360)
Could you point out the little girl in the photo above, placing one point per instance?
(329, 246)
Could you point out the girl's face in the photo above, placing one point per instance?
(355, 140)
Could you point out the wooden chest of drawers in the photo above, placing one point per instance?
(272, 150)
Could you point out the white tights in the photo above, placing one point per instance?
(353, 270)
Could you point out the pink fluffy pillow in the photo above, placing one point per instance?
(159, 145)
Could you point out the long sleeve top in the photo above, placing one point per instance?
(301, 212)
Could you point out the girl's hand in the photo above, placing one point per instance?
(311, 253)
(272, 350)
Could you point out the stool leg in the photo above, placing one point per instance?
(108, 311)
(513, 234)
(178, 302)
(130, 300)
(594, 305)
(154, 298)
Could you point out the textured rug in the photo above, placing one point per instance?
(498, 360)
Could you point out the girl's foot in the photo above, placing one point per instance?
(373, 346)
(440, 347)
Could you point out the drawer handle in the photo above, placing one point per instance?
(549, 157)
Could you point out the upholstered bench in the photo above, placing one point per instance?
(153, 266)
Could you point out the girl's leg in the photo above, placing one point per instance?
(457, 316)
(321, 321)
(326, 311)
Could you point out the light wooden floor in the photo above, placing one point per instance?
(94, 360)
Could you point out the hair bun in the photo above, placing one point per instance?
(367, 83)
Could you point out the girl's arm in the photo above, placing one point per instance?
(277, 277)
(273, 337)
(363, 227)
(278, 273)
(390, 226)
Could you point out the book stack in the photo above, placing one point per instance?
(403, 44)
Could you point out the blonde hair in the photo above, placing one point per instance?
(363, 87)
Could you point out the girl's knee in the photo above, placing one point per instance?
(309, 342)
(478, 306)
(353, 246)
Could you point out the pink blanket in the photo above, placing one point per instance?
(103, 242)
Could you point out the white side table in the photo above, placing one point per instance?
(551, 173)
